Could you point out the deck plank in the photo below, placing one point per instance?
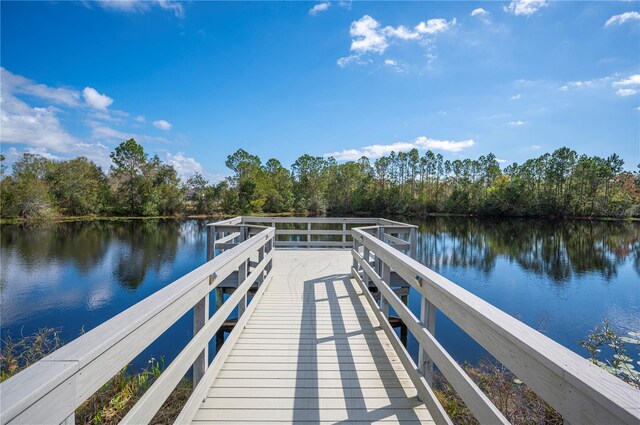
(312, 352)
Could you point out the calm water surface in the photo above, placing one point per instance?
(560, 278)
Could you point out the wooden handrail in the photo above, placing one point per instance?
(479, 404)
(50, 390)
(145, 409)
(580, 391)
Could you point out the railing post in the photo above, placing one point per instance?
(309, 234)
(366, 256)
(428, 319)
(242, 275)
(268, 247)
(386, 277)
(211, 242)
(378, 266)
(344, 234)
(413, 242)
(260, 258)
(201, 313)
(200, 317)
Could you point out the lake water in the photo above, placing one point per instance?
(562, 278)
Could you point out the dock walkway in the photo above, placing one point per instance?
(313, 351)
(309, 306)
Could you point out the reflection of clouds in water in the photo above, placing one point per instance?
(624, 321)
(100, 296)
(165, 272)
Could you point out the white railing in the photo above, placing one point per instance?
(580, 391)
(309, 232)
(50, 390)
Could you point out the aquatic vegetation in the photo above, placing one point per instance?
(19, 354)
(517, 402)
(618, 362)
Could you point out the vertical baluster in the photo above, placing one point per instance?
(378, 266)
(366, 254)
(308, 235)
(413, 241)
(260, 258)
(201, 312)
(269, 246)
(428, 319)
(386, 277)
(200, 317)
(242, 275)
(344, 234)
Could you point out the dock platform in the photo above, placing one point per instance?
(313, 351)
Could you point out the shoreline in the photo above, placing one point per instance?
(70, 219)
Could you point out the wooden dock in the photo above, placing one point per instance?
(306, 303)
(313, 351)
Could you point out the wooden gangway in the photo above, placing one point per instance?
(310, 304)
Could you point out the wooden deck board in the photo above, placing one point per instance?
(312, 352)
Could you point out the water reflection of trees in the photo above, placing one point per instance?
(133, 247)
(83, 244)
(557, 250)
(144, 245)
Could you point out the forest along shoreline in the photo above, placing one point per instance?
(561, 184)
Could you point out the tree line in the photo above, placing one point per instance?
(407, 184)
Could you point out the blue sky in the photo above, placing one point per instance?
(194, 81)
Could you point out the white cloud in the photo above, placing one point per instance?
(142, 6)
(633, 80)
(434, 26)
(185, 166)
(422, 143)
(141, 119)
(622, 18)
(626, 92)
(348, 60)
(162, 125)
(320, 7)
(32, 126)
(517, 123)
(394, 64)
(401, 32)
(39, 129)
(596, 82)
(20, 85)
(535, 147)
(515, 97)
(479, 12)
(366, 36)
(631, 85)
(626, 87)
(524, 7)
(95, 99)
(103, 133)
(501, 161)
